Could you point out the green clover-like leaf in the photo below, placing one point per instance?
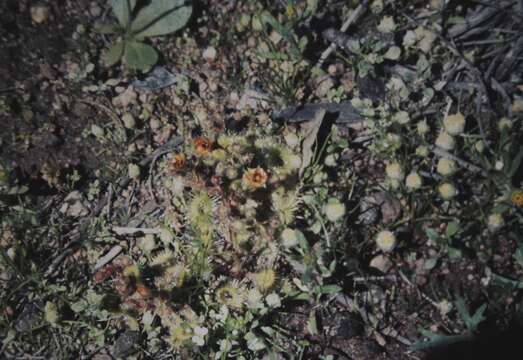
(161, 17)
(114, 54)
(139, 55)
(122, 10)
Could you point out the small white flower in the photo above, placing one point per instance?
(201, 331)
(394, 171)
(11, 253)
(402, 117)
(289, 238)
(393, 139)
(422, 151)
(254, 299)
(291, 139)
(147, 243)
(331, 160)
(445, 141)
(454, 124)
(51, 312)
(444, 307)
(479, 146)
(273, 300)
(166, 236)
(386, 240)
(134, 171)
(294, 161)
(446, 167)
(387, 24)
(447, 191)
(334, 210)
(413, 181)
(198, 340)
(178, 185)
(504, 123)
(422, 127)
(499, 165)
(495, 221)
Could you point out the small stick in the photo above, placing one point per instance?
(107, 258)
(352, 18)
(121, 230)
(442, 153)
(406, 279)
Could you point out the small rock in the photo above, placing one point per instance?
(322, 85)
(275, 37)
(125, 344)
(39, 13)
(129, 121)
(345, 325)
(95, 10)
(73, 205)
(209, 54)
(126, 98)
(390, 207)
(28, 319)
(254, 100)
(369, 213)
(382, 263)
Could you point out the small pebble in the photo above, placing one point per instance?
(209, 54)
(39, 13)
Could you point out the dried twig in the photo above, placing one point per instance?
(107, 258)
(442, 153)
(352, 18)
(122, 230)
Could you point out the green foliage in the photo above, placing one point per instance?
(471, 321)
(160, 17)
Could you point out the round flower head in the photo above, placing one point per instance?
(495, 221)
(504, 123)
(231, 295)
(147, 243)
(422, 151)
(413, 181)
(454, 124)
(51, 312)
(445, 141)
(394, 171)
(202, 146)
(447, 191)
(177, 185)
(289, 238)
(386, 240)
(479, 146)
(273, 300)
(423, 127)
(255, 178)
(177, 163)
(517, 198)
(334, 210)
(446, 167)
(265, 279)
(134, 171)
(291, 139)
